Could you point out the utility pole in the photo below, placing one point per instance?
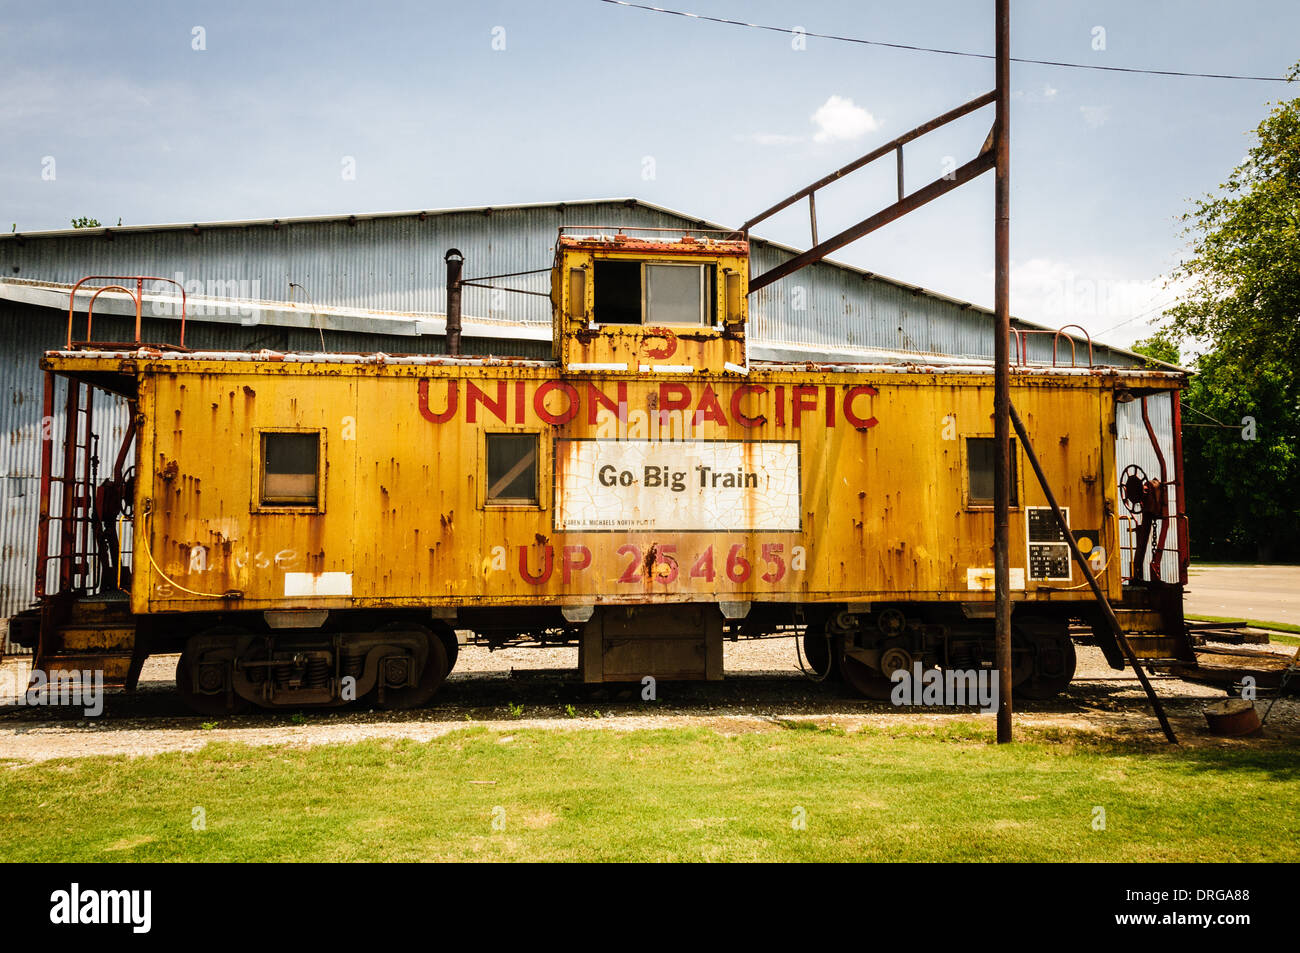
(1001, 366)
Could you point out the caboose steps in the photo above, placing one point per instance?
(97, 635)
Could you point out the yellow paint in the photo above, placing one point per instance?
(884, 510)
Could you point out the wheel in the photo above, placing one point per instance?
(817, 651)
(451, 644)
(431, 678)
(1054, 663)
(199, 702)
(865, 680)
(1132, 488)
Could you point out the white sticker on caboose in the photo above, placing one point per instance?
(720, 486)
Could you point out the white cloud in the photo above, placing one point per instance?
(1045, 95)
(770, 139)
(1115, 310)
(838, 118)
(1095, 116)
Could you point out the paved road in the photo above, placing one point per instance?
(1266, 593)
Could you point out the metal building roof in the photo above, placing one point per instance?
(353, 283)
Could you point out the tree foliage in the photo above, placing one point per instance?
(1241, 314)
(84, 221)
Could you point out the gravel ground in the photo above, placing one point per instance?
(538, 688)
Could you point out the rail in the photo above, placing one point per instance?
(983, 162)
(1019, 337)
(137, 298)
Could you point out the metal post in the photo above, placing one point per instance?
(455, 260)
(1002, 369)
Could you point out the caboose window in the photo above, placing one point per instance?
(511, 468)
(979, 471)
(674, 294)
(618, 292)
(636, 292)
(290, 469)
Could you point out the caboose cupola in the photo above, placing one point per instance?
(666, 302)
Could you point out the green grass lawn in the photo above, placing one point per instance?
(897, 793)
(1273, 627)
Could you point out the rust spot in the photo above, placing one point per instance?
(169, 471)
(541, 540)
(249, 392)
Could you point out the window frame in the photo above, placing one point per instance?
(539, 478)
(259, 472)
(710, 294)
(1017, 481)
(703, 268)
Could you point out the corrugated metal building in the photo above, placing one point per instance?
(377, 283)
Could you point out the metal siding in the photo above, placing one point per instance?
(395, 263)
(27, 332)
(409, 538)
(24, 336)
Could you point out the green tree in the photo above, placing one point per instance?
(1241, 317)
(85, 222)
(1160, 346)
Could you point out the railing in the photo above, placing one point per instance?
(983, 162)
(1019, 336)
(616, 233)
(137, 297)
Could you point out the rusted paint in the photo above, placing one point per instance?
(879, 502)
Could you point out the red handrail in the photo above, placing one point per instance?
(137, 296)
(1022, 345)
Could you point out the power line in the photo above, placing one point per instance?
(1158, 308)
(930, 49)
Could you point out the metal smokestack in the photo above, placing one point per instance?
(454, 260)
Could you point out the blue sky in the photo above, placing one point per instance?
(590, 100)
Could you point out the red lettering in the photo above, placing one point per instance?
(780, 406)
(739, 415)
(596, 398)
(830, 406)
(570, 410)
(569, 561)
(703, 568)
(548, 565)
(453, 393)
(709, 409)
(798, 403)
(669, 347)
(856, 422)
(631, 571)
(519, 402)
(673, 396)
(474, 397)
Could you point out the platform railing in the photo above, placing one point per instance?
(1020, 336)
(137, 297)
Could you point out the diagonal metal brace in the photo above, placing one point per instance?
(977, 166)
(1118, 629)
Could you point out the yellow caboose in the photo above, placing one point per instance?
(308, 529)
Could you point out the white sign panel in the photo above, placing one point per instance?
(723, 486)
